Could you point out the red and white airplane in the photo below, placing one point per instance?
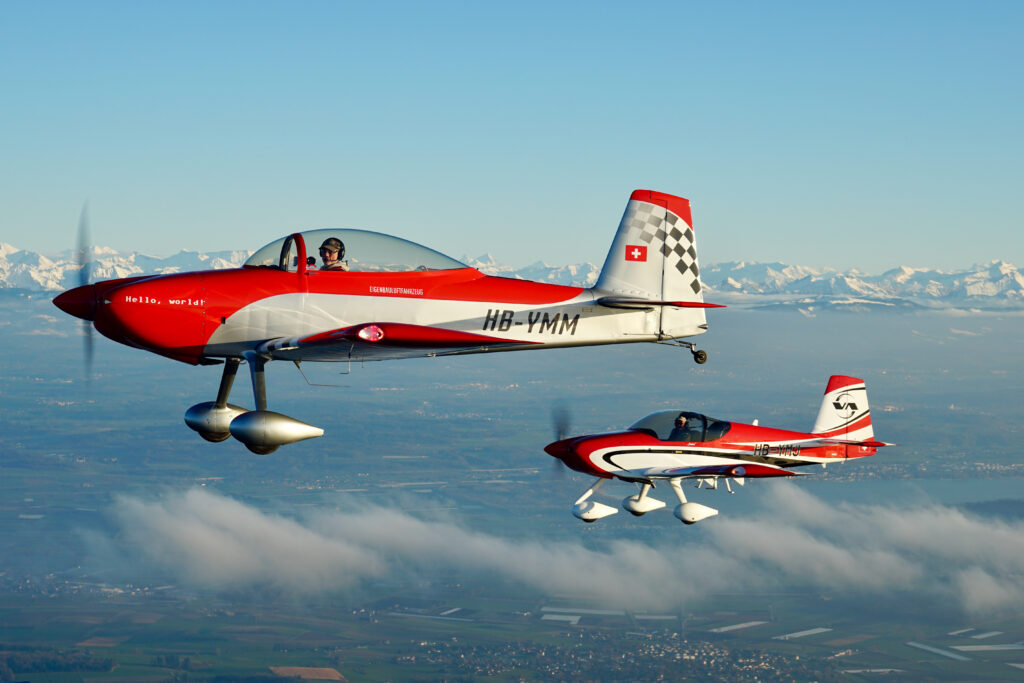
(395, 299)
(672, 445)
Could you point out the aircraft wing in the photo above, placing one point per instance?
(381, 341)
(737, 471)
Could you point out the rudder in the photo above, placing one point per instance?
(844, 412)
(654, 257)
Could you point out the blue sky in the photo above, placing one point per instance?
(864, 135)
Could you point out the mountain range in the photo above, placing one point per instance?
(991, 286)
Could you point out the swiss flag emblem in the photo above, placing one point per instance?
(636, 253)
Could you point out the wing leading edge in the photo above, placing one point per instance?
(736, 471)
(383, 340)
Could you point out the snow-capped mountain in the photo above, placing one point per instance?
(755, 278)
(995, 285)
(992, 285)
(578, 275)
(29, 270)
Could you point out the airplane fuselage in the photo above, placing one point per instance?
(751, 451)
(372, 296)
(197, 317)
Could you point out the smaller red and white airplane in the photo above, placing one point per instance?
(673, 445)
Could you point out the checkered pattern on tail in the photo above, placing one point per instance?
(665, 233)
(654, 257)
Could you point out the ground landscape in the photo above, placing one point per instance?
(428, 536)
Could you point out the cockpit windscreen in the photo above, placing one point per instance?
(681, 425)
(361, 251)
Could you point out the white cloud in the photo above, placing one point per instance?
(797, 539)
(218, 542)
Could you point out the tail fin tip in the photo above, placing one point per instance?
(677, 205)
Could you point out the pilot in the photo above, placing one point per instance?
(681, 432)
(331, 252)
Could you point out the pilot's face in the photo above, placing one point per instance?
(328, 256)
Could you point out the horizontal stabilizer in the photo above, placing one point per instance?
(625, 302)
(870, 443)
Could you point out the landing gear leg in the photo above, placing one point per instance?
(640, 503)
(591, 510)
(591, 491)
(262, 430)
(259, 392)
(678, 490)
(645, 488)
(226, 381)
(700, 356)
(212, 420)
(686, 512)
(259, 382)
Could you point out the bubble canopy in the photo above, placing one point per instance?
(698, 427)
(365, 251)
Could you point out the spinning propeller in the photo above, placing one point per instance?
(83, 259)
(561, 421)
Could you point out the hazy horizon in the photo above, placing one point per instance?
(892, 141)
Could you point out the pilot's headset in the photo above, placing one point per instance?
(334, 244)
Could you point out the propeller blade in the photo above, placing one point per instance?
(83, 258)
(560, 425)
(88, 350)
(561, 421)
(558, 468)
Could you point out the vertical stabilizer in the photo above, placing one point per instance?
(654, 257)
(844, 412)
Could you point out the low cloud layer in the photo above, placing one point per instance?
(929, 552)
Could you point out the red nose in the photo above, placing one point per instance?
(79, 302)
(559, 449)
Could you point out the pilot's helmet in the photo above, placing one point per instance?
(334, 244)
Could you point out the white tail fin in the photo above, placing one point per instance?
(844, 412)
(654, 258)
